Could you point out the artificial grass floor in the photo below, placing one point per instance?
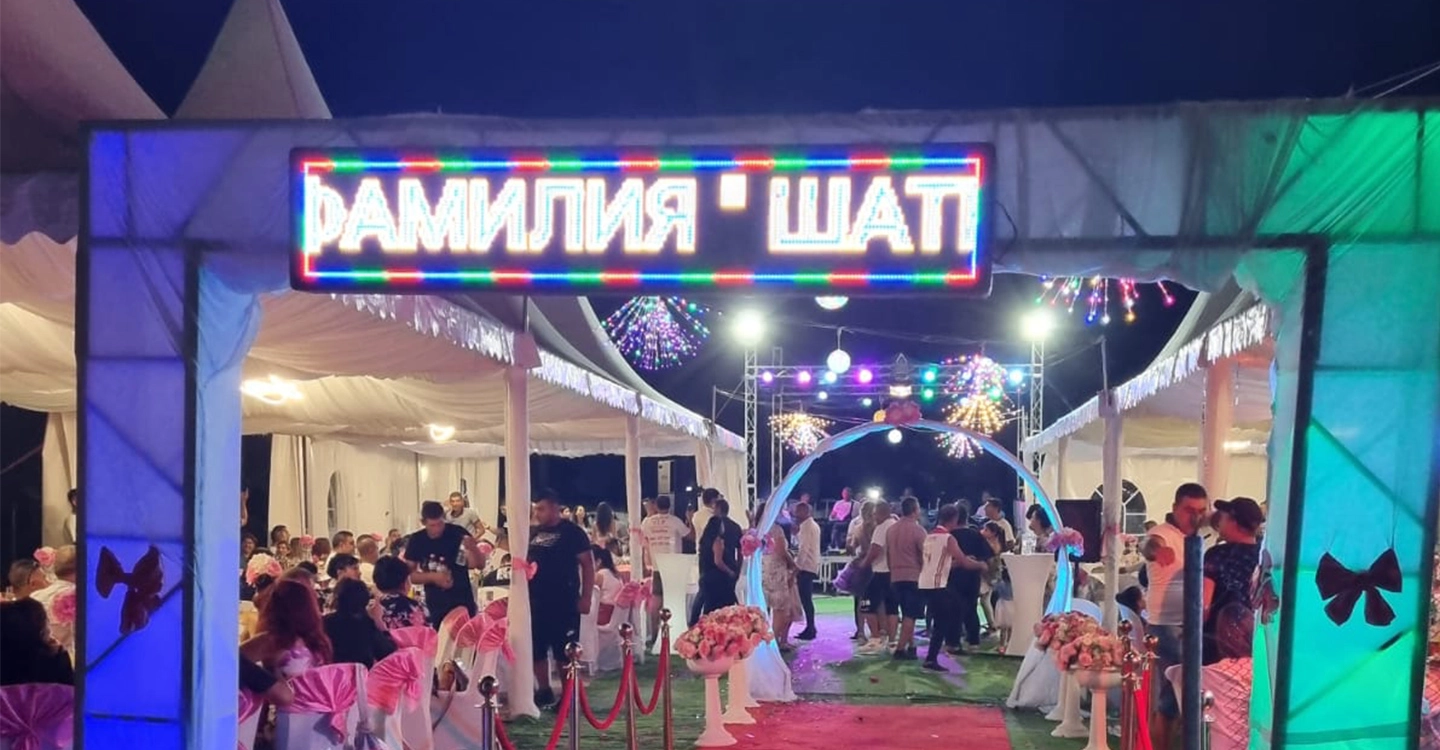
(825, 670)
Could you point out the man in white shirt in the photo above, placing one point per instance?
(1164, 552)
(461, 514)
(879, 605)
(664, 533)
(807, 564)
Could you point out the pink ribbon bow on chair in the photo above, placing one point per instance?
(634, 593)
(329, 690)
(249, 704)
(37, 716)
(525, 568)
(487, 635)
(400, 673)
(417, 636)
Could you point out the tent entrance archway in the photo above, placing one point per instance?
(1064, 585)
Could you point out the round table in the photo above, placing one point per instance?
(1028, 575)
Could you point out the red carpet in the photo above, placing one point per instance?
(828, 726)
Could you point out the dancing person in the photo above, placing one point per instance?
(356, 629)
(857, 543)
(995, 513)
(561, 589)
(30, 653)
(1000, 543)
(462, 515)
(904, 557)
(807, 564)
(1164, 552)
(879, 606)
(25, 578)
(1229, 623)
(699, 524)
(719, 551)
(964, 582)
(292, 635)
(397, 608)
(842, 517)
(777, 579)
(440, 556)
(942, 559)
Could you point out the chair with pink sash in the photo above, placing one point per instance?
(327, 712)
(1229, 680)
(445, 639)
(417, 636)
(249, 717)
(479, 644)
(399, 707)
(37, 717)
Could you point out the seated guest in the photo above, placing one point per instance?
(392, 579)
(25, 578)
(27, 652)
(291, 636)
(343, 566)
(357, 626)
(607, 580)
(272, 690)
(497, 567)
(66, 565)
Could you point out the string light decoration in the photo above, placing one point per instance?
(800, 432)
(1095, 295)
(656, 333)
(980, 403)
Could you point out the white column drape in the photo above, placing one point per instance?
(287, 484)
(1113, 509)
(58, 467)
(1219, 416)
(517, 507)
(632, 481)
(704, 469)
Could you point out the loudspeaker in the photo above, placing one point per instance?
(1086, 517)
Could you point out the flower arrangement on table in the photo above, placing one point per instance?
(732, 632)
(1069, 538)
(45, 556)
(1094, 651)
(1054, 632)
(261, 564)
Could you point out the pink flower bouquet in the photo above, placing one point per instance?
(63, 607)
(731, 632)
(262, 564)
(46, 557)
(1055, 631)
(1096, 651)
(1067, 537)
(752, 542)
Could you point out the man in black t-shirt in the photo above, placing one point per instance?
(965, 583)
(719, 552)
(440, 556)
(561, 589)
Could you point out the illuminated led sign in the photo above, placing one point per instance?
(858, 221)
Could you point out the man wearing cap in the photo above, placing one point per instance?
(1229, 570)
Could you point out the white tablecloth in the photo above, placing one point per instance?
(1028, 574)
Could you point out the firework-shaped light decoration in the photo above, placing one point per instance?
(980, 404)
(656, 333)
(800, 432)
(1095, 296)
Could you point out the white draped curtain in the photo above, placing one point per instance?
(59, 464)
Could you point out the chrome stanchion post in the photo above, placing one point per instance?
(1207, 703)
(573, 652)
(488, 692)
(668, 704)
(628, 690)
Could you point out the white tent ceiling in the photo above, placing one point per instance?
(367, 369)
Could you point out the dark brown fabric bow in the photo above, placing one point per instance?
(1343, 587)
(143, 584)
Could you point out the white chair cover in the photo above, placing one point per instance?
(454, 715)
(1088, 608)
(307, 730)
(445, 640)
(1037, 684)
(589, 634)
(408, 725)
(249, 723)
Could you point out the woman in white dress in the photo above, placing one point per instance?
(781, 592)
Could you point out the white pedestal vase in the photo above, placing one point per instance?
(1100, 683)
(1072, 725)
(711, 669)
(1058, 712)
(739, 695)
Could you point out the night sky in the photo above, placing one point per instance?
(591, 58)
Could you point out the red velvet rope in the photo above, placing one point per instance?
(661, 676)
(1142, 713)
(507, 744)
(627, 675)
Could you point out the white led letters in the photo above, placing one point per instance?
(432, 230)
(880, 217)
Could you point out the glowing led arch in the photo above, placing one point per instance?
(1064, 583)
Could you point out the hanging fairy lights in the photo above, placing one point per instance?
(656, 333)
(1097, 295)
(800, 432)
